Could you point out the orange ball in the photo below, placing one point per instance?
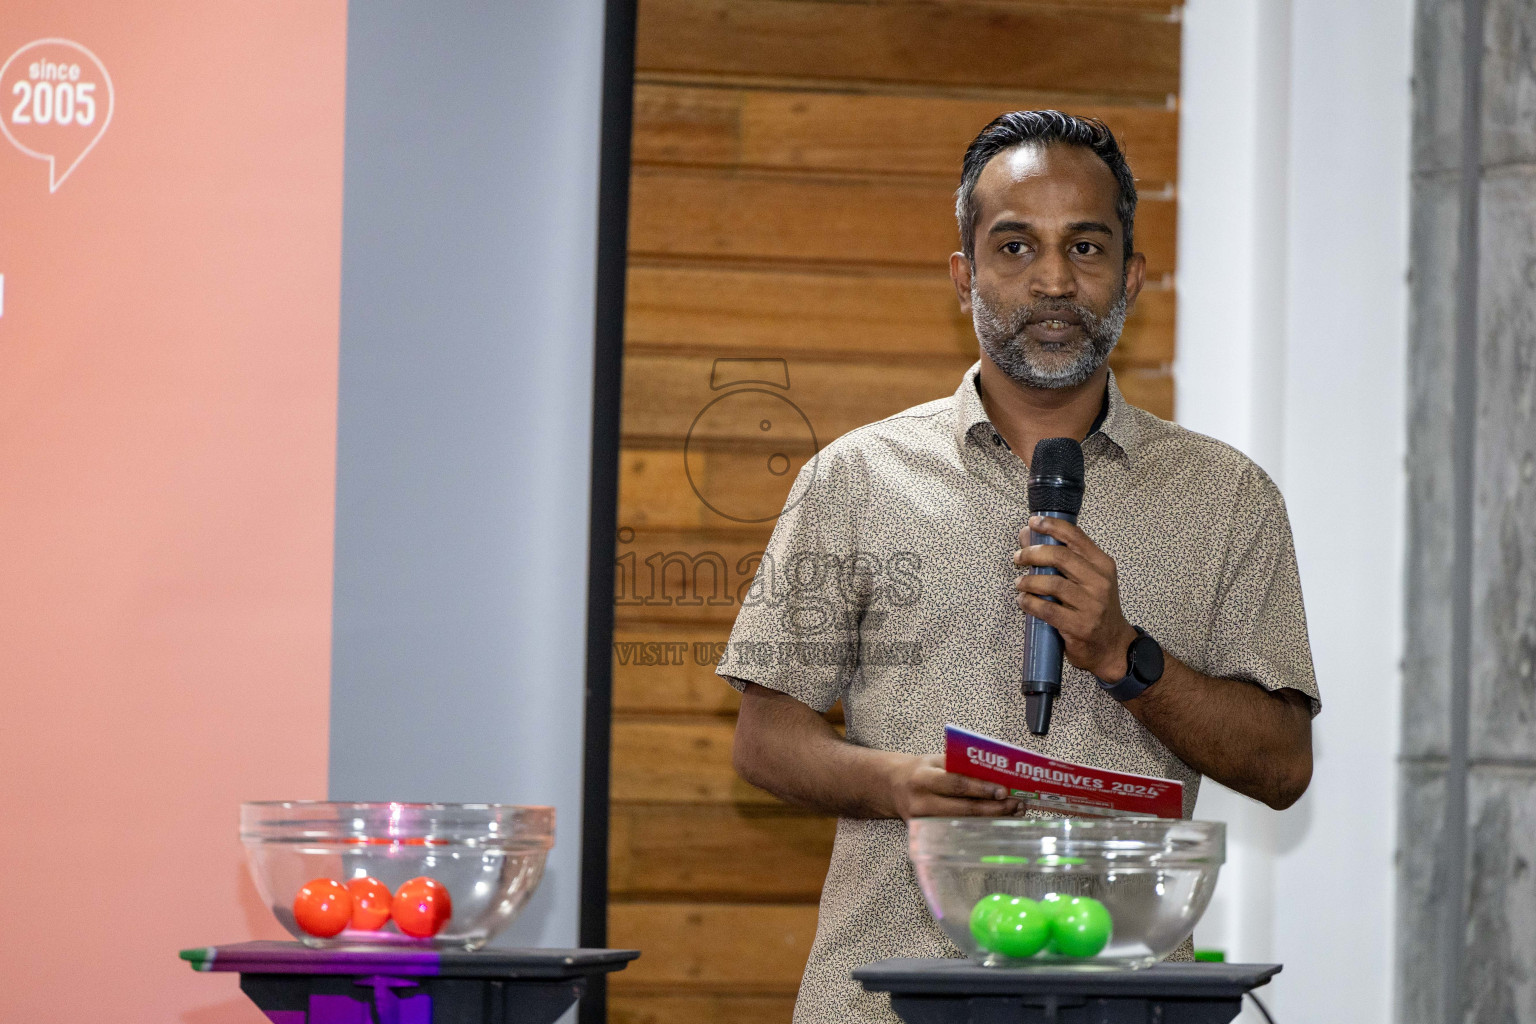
(370, 903)
(323, 907)
(421, 907)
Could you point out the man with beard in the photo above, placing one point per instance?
(910, 535)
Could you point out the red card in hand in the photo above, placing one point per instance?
(1059, 786)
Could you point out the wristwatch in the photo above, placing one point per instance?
(1143, 667)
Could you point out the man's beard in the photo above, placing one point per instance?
(1024, 360)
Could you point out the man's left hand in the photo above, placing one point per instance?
(1093, 630)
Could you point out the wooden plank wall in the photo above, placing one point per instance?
(792, 203)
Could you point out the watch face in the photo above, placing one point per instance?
(1146, 658)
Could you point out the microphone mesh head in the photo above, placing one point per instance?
(1056, 476)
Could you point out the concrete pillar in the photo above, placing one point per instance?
(1467, 864)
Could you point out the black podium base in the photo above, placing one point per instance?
(293, 984)
(943, 991)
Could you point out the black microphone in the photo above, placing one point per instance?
(1055, 490)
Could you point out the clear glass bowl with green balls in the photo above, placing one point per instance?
(1095, 892)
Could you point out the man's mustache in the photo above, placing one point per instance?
(1052, 310)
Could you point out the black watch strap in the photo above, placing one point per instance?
(1143, 667)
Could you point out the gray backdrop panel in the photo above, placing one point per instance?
(465, 413)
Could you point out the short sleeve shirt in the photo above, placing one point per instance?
(888, 584)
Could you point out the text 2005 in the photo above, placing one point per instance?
(1132, 789)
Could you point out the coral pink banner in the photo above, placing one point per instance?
(170, 267)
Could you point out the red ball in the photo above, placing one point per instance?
(421, 907)
(370, 903)
(323, 907)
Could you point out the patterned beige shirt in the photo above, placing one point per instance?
(888, 584)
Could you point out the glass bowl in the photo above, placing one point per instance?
(490, 858)
(1154, 876)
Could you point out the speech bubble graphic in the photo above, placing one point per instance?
(55, 104)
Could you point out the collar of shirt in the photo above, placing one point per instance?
(1119, 430)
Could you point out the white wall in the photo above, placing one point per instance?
(1292, 321)
(1231, 345)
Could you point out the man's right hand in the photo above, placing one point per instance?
(921, 788)
(793, 752)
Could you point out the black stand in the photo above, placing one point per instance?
(293, 984)
(943, 991)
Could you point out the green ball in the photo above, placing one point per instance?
(1080, 928)
(981, 916)
(1053, 903)
(1015, 927)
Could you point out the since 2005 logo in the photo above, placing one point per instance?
(57, 102)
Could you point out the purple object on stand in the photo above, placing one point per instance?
(293, 984)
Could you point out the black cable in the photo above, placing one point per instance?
(1261, 1007)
